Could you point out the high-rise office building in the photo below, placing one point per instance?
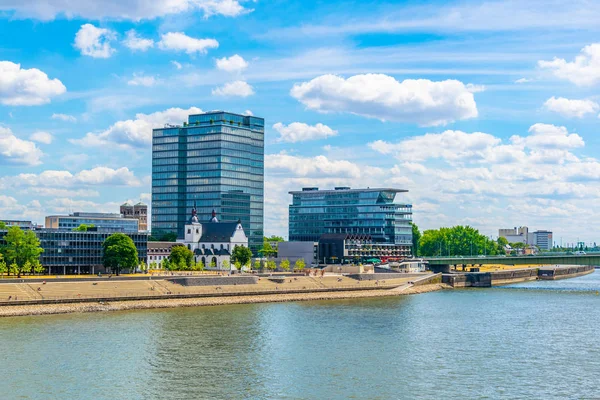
(216, 161)
(372, 212)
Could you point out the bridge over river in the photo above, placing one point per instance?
(579, 259)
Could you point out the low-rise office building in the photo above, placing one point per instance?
(21, 224)
(294, 251)
(103, 221)
(340, 248)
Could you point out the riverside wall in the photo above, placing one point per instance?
(214, 280)
(489, 279)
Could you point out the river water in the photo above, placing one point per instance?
(535, 340)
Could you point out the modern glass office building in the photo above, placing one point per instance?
(372, 212)
(216, 161)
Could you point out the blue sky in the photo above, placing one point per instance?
(487, 112)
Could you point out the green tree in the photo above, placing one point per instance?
(299, 264)
(271, 265)
(242, 254)
(153, 265)
(257, 264)
(199, 266)
(165, 237)
(213, 264)
(285, 264)
(2, 225)
(181, 258)
(237, 265)
(119, 251)
(166, 264)
(22, 249)
(456, 241)
(274, 238)
(226, 264)
(416, 237)
(3, 268)
(143, 267)
(267, 250)
(83, 228)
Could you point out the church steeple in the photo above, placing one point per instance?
(194, 217)
(214, 216)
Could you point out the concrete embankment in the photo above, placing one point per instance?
(139, 304)
(494, 278)
(564, 272)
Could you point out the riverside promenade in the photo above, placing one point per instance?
(25, 297)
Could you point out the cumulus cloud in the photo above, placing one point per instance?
(546, 136)
(319, 166)
(235, 63)
(584, 70)
(17, 151)
(136, 133)
(26, 87)
(118, 9)
(523, 80)
(301, 132)
(64, 117)
(136, 42)
(236, 88)
(571, 108)
(142, 80)
(177, 64)
(380, 96)
(91, 177)
(179, 41)
(41, 137)
(94, 42)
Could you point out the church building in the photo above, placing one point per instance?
(213, 242)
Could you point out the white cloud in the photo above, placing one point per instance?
(41, 137)
(523, 80)
(381, 96)
(236, 88)
(248, 112)
(571, 108)
(319, 166)
(142, 80)
(94, 42)
(177, 64)
(546, 136)
(64, 117)
(118, 9)
(301, 132)
(234, 63)
(137, 43)
(92, 177)
(26, 87)
(17, 151)
(584, 70)
(136, 133)
(179, 41)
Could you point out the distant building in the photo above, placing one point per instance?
(543, 240)
(293, 251)
(103, 221)
(70, 252)
(213, 241)
(21, 224)
(371, 212)
(138, 211)
(216, 159)
(515, 235)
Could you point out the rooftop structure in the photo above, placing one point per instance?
(138, 211)
(106, 222)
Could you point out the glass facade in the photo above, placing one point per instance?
(108, 223)
(215, 160)
(372, 212)
(71, 252)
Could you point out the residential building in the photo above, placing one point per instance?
(343, 210)
(215, 160)
(159, 251)
(103, 221)
(343, 248)
(72, 252)
(293, 251)
(213, 241)
(138, 211)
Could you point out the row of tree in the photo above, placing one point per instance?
(20, 252)
(455, 241)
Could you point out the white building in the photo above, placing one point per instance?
(213, 241)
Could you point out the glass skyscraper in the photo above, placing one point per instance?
(216, 161)
(372, 212)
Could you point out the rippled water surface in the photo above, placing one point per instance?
(535, 340)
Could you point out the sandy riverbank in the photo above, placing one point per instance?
(42, 309)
